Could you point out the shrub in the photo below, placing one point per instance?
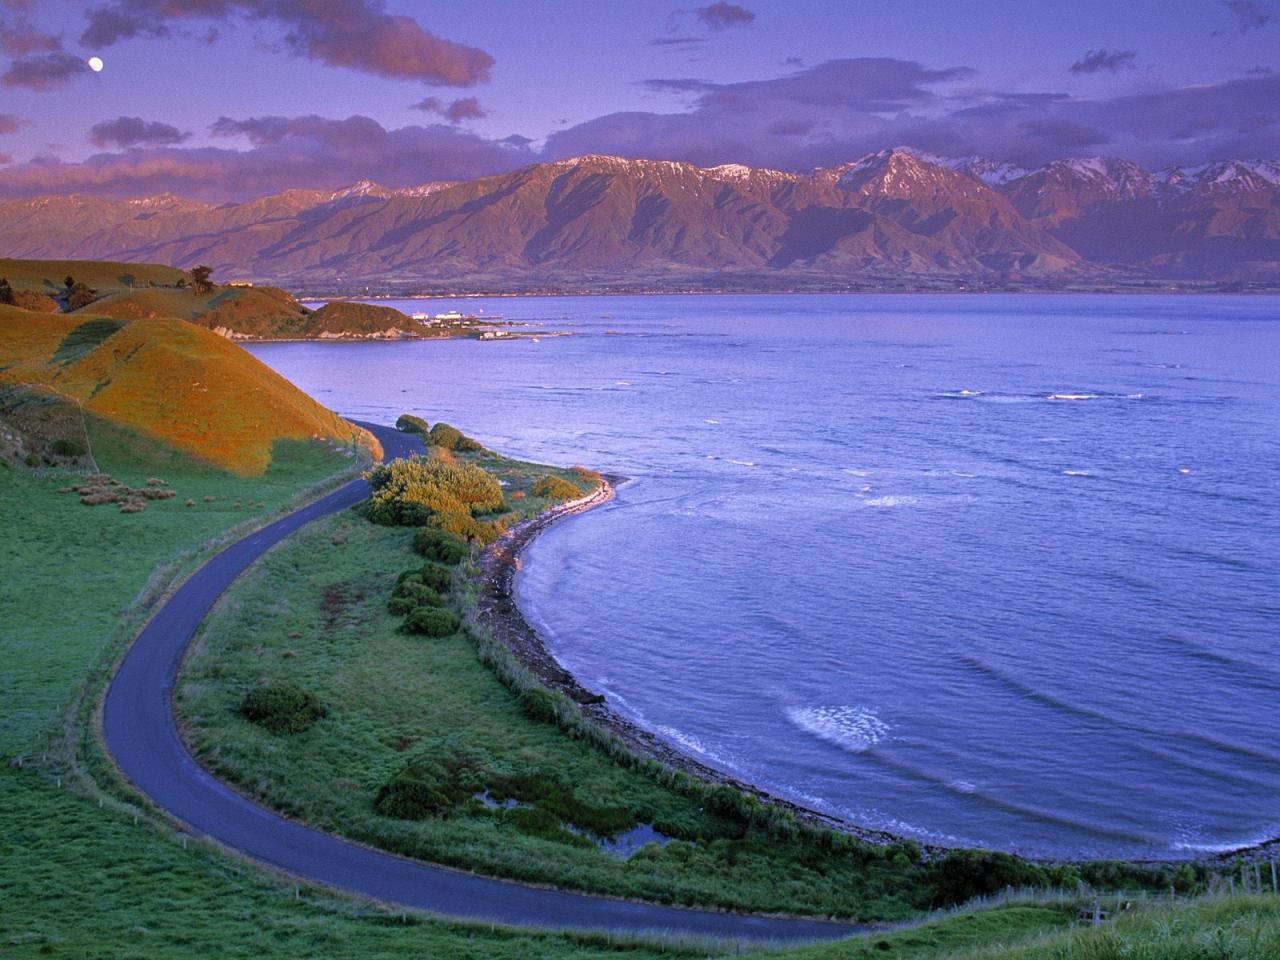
(539, 705)
(440, 545)
(409, 492)
(418, 594)
(401, 605)
(466, 527)
(436, 576)
(964, 874)
(431, 784)
(66, 447)
(282, 708)
(556, 488)
(451, 438)
(411, 424)
(432, 622)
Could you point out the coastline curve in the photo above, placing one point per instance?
(140, 734)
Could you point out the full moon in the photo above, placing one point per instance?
(95, 64)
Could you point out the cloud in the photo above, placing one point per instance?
(465, 108)
(356, 34)
(9, 123)
(43, 71)
(281, 153)
(5, 158)
(18, 38)
(721, 16)
(676, 41)
(839, 110)
(1111, 61)
(134, 131)
(1249, 14)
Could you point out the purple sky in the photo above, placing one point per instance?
(235, 98)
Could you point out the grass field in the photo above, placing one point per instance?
(314, 613)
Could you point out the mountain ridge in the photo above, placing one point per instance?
(895, 216)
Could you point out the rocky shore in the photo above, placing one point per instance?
(496, 608)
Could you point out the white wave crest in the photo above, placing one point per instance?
(851, 728)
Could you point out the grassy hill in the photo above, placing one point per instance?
(169, 382)
(131, 291)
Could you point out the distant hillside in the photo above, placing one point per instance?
(166, 380)
(896, 218)
(145, 291)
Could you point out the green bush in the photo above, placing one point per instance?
(432, 622)
(282, 708)
(401, 605)
(408, 492)
(417, 593)
(556, 488)
(964, 874)
(431, 784)
(451, 438)
(539, 705)
(66, 447)
(436, 576)
(466, 527)
(440, 545)
(408, 423)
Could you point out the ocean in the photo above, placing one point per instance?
(989, 570)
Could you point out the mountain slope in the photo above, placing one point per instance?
(896, 216)
(169, 381)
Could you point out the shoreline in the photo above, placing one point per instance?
(497, 609)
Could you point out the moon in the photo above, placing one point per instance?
(96, 64)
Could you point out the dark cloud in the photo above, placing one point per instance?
(721, 16)
(134, 132)
(465, 108)
(851, 107)
(43, 71)
(1110, 61)
(283, 153)
(676, 41)
(1249, 14)
(19, 37)
(9, 123)
(356, 34)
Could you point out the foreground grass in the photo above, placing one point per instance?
(1210, 928)
(313, 612)
(80, 878)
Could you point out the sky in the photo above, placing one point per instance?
(229, 99)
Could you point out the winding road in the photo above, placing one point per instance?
(141, 734)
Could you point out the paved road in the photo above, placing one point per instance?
(141, 734)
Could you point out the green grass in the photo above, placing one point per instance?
(1208, 928)
(314, 613)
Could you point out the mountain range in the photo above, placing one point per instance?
(894, 219)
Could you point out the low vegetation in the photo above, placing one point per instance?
(282, 708)
(451, 438)
(172, 382)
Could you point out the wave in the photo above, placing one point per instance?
(854, 729)
(891, 501)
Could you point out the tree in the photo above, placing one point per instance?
(6, 292)
(200, 278)
(69, 282)
(79, 295)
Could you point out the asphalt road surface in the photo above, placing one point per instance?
(141, 735)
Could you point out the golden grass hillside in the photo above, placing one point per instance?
(47, 276)
(171, 381)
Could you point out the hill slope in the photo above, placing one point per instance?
(136, 291)
(893, 217)
(169, 381)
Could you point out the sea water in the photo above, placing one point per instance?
(989, 570)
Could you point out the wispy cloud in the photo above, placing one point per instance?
(356, 34)
(465, 108)
(722, 16)
(1108, 61)
(1249, 14)
(133, 132)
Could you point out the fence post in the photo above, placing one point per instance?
(1275, 888)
